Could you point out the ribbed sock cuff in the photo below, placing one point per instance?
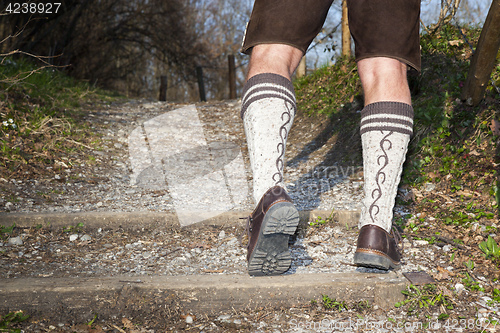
(267, 85)
(387, 116)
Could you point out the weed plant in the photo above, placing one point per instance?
(424, 297)
(330, 89)
(9, 321)
(331, 303)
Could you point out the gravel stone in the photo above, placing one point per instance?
(9, 206)
(447, 248)
(459, 287)
(85, 238)
(224, 317)
(15, 241)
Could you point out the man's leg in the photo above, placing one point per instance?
(277, 35)
(387, 119)
(386, 127)
(268, 110)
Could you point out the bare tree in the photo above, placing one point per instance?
(112, 42)
(447, 13)
(221, 27)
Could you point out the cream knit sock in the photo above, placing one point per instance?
(386, 128)
(268, 110)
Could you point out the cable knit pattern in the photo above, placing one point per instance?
(385, 133)
(268, 110)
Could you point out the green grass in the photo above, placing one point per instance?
(333, 304)
(55, 91)
(41, 114)
(6, 230)
(329, 89)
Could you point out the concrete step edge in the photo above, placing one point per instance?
(138, 220)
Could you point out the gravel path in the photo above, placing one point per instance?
(125, 177)
(107, 181)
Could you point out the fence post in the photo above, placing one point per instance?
(301, 69)
(483, 60)
(346, 34)
(163, 88)
(201, 85)
(232, 76)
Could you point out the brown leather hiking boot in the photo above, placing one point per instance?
(376, 248)
(269, 228)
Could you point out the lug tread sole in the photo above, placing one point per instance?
(371, 260)
(271, 255)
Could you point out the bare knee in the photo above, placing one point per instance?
(384, 79)
(274, 58)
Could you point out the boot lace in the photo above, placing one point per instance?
(398, 239)
(247, 231)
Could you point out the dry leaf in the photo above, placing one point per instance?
(455, 42)
(117, 328)
(97, 329)
(445, 291)
(442, 274)
(418, 194)
(127, 323)
(466, 193)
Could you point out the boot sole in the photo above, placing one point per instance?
(271, 255)
(371, 260)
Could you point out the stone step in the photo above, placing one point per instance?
(55, 298)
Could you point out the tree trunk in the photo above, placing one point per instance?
(483, 60)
